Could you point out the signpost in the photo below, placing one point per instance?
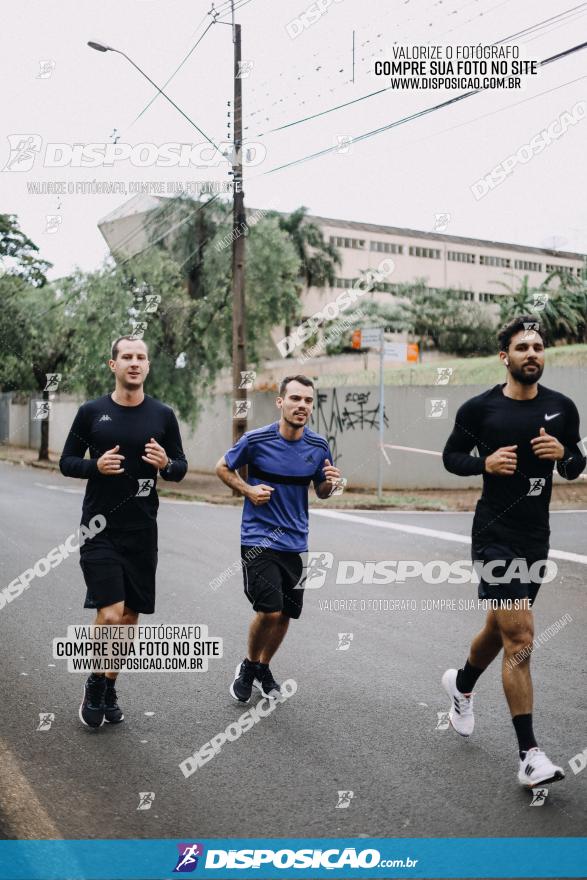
(394, 352)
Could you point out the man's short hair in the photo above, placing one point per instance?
(114, 351)
(303, 380)
(520, 322)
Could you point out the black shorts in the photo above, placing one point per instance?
(524, 585)
(271, 579)
(120, 566)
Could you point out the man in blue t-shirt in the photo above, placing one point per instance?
(282, 458)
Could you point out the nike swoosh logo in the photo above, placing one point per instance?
(548, 418)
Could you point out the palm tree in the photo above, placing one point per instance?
(563, 317)
(318, 258)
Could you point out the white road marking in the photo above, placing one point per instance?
(166, 500)
(349, 517)
(430, 533)
(60, 489)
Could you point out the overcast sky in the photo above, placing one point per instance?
(402, 177)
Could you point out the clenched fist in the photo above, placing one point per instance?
(259, 494)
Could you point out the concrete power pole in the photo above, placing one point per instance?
(239, 356)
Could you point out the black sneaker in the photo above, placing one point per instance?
(242, 686)
(91, 711)
(265, 682)
(113, 713)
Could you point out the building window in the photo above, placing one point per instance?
(502, 262)
(527, 266)
(553, 267)
(355, 243)
(487, 297)
(429, 253)
(460, 257)
(386, 247)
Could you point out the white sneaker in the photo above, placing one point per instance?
(537, 769)
(461, 705)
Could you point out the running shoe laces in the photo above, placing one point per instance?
(95, 688)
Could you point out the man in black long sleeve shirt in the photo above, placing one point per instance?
(131, 437)
(520, 430)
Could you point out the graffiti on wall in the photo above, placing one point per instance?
(355, 411)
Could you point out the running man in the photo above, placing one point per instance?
(521, 429)
(131, 437)
(283, 459)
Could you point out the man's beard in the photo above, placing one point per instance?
(293, 424)
(526, 378)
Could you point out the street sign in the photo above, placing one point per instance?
(398, 352)
(401, 352)
(366, 337)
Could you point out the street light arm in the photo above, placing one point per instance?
(101, 47)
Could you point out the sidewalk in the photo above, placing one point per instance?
(197, 486)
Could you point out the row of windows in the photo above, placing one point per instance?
(386, 247)
(356, 243)
(386, 287)
(527, 266)
(554, 267)
(502, 262)
(430, 253)
(460, 257)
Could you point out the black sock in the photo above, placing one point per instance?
(467, 678)
(524, 732)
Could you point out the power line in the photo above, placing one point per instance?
(502, 109)
(180, 65)
(216, 14)
(417, 115)
(308, 118)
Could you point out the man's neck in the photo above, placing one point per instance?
(128, 396)
(518, 391)
(288, 432)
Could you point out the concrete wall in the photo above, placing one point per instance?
(348, 417)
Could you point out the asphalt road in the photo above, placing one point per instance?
(363, 719)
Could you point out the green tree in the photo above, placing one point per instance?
(447, 320)
(183, 227)
(189, 339)
(19, 256)
(564, 314)
(318, 258)
(30, 340)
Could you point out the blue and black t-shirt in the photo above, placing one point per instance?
(289, 466)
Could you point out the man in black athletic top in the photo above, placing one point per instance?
(520, 429)
(130, 437)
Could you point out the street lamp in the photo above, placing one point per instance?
(102, 47)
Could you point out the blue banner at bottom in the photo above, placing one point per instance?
(503, 857)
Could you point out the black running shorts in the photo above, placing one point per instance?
(271, 578)
(120, 566)
(524, 586)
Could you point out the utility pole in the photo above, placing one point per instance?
(239, 358)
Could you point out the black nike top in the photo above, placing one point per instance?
(514, 507)
(128, 500)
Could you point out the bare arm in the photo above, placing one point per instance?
(231, 478)
(257, 494)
